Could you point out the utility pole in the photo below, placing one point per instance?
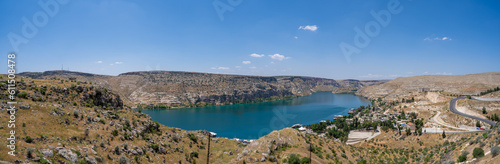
(310, 150)
(310, 147)
(208, 151)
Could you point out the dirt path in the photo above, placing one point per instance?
(440, 121)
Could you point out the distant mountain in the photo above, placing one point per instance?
(471, 84)
(173, 88)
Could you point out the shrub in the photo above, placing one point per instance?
(194, 154)
(462, 158)
(114, 132)
(102, 121)
(22, 95)
(30, 152)
(193, 138)
(28, 139)
(478, 152)
(75, 113)
(155, 147)
(293, 159)
(495, 151)
(305, 160)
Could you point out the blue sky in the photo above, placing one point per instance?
(254, 37)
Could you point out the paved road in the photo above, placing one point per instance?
(453, 104)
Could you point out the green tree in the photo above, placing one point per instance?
(293, 159)
(478, 152)
(484, 111)
(462, 158)
(444, 135)
(478, 124)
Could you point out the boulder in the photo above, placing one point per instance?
(46, 152)
(68, 154)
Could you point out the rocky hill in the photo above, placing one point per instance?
(471, 84)
(170, 88)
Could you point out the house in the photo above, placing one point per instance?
(336, 117)
(349, 121)
(423, 89)
(302, 129)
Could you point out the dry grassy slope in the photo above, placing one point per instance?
(163, 87)
(454, 84)
(58, 129)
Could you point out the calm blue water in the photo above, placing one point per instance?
(251, 121)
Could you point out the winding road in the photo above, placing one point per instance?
(453, 104)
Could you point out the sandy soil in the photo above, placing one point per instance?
(358, 136)
(469, 112)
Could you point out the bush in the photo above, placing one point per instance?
(155, 147)
(114, 132)
(495, 151)
(305, 161)
(30, 152)
(194, 154)
(462, 158)
(102, 121)
(293, 159)
(193, 138)
(75, 113)
(28, 139)
(22, 95)
(478, 152)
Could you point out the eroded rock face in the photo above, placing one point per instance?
(67, 154)
(187, 88)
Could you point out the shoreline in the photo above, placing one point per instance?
(166, 107)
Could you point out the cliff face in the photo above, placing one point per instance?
(188, 88)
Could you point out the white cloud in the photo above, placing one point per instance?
(223, 68)
(296, 37)
(278, 57)
(256, 55)
(309, 27)
(443, 73)
(213, 68)
(99, 62)
(246, 62)
(118, 62)
(252, 67)
(437, 38)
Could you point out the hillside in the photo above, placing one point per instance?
(170, 88)
(471, 84)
